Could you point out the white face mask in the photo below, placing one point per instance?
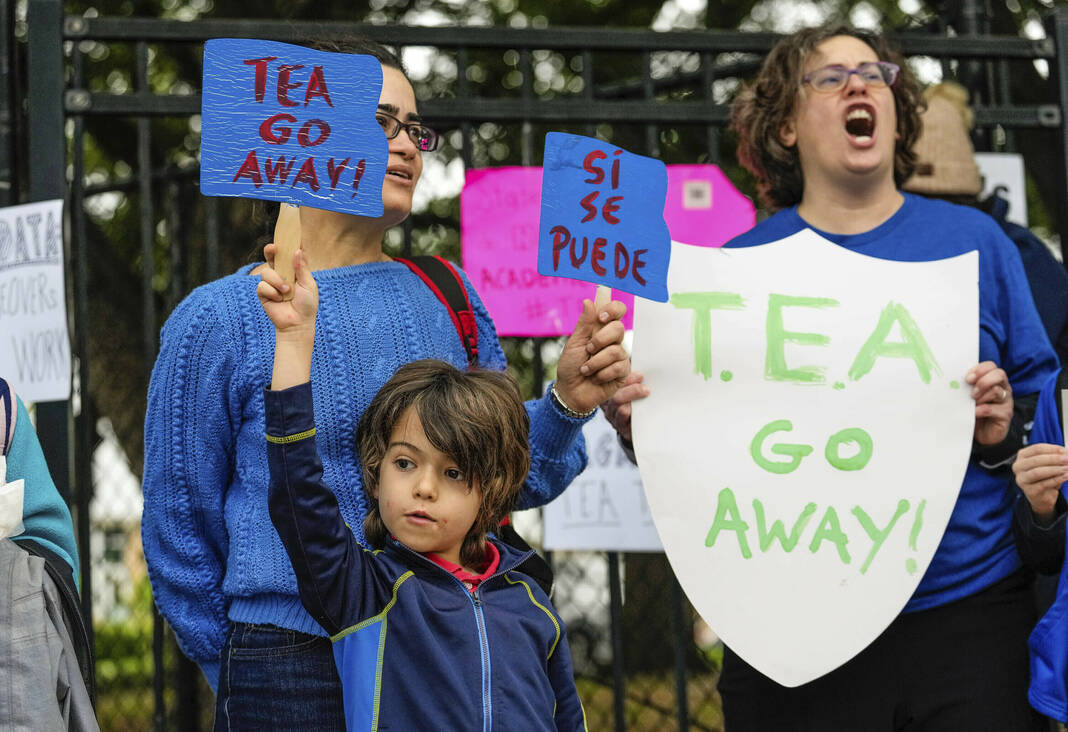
(10, 504)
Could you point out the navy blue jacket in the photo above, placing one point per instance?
(415, 649)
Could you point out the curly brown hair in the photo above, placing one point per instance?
(475, 417)
(760, 110)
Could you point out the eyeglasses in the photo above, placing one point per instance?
(424, 137)
(833, 78)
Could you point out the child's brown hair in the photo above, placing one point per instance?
(475, 417)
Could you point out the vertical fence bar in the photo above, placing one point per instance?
(652, 140)
(1057, 29)
(85, 423)
(8, 111)
(148, 314)
(711, 131)
(615, 615)
(682, 641)
(211, 235)
(47, 173)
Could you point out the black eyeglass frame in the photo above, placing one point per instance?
(886, 68)
(412, 128)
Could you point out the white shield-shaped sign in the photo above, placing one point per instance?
(806, 436)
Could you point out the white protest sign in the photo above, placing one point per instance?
(805, 439)
(604, 508)
(34, 345)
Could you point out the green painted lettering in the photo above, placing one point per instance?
(831, 530)
(913, 345)
(851, 434)
(702, 304)
(794, 452)
(777, 531)
(777, 336)
(729, 519)
(877, 536)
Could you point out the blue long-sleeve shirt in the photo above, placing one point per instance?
(213, 556)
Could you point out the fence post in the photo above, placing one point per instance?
(47, 173)
(1057, 29)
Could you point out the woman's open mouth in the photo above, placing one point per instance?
(860, 123)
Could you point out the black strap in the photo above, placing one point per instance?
(445, 283)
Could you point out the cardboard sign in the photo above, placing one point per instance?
(291, 124)
(602, 217)
(604, 508)
(805, 439)
(500, 251)
(34, 343)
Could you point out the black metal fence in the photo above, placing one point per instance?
(111, 123)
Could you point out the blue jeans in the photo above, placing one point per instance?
(277, 679)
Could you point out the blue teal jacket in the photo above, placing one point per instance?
(414, 648)
(1049, 640)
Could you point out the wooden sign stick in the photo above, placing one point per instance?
(286, 241)
(604, 294)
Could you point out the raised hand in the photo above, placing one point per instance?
(1040, 471)
(593, 364)
(294, 321)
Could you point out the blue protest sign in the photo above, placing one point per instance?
(287, 123)
(602, 216)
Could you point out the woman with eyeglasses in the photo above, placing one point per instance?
(828, 130)
(219, 572)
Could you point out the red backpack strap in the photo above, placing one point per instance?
(444, 281)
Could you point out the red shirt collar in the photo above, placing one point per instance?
(471, 580)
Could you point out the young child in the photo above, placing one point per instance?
(433, 626)
(1039, 524)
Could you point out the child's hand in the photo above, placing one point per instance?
(1040, 471)
(297, 315)
(993, 402)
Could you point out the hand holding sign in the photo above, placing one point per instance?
(287, 123)
(286, 243)
(602, 216)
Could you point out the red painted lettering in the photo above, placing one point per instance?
(306, 174)
(250, 169)
(587, 203)
(589, 167)
(317, 87)
(270, 135)
(561, 236)
(610, 207)
(335, 171)
(621, 253)
(598, 256)
(615, 170)
(284, 84)
(304, 136)
(278, 169)
(576, 262)
(356, 177)
(260, 83)
(637, 264)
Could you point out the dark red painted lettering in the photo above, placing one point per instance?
(589, 167)
(250, 169)
(587, 203)
(610, 207)
(561, 236)
(576, 262)
(357, 175)
(615, 170)
(317, 87)
(598, 256)
(279, 136)
(278, 169)
(306, 174)
(621, 254)
(304, 133)
(284, 84)
(260, 83)
(335, 171)
(636, 264)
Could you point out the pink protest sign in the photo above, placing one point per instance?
(499, 213)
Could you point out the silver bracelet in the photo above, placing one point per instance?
(574, 414)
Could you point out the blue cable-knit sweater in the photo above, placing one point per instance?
(213, 555)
